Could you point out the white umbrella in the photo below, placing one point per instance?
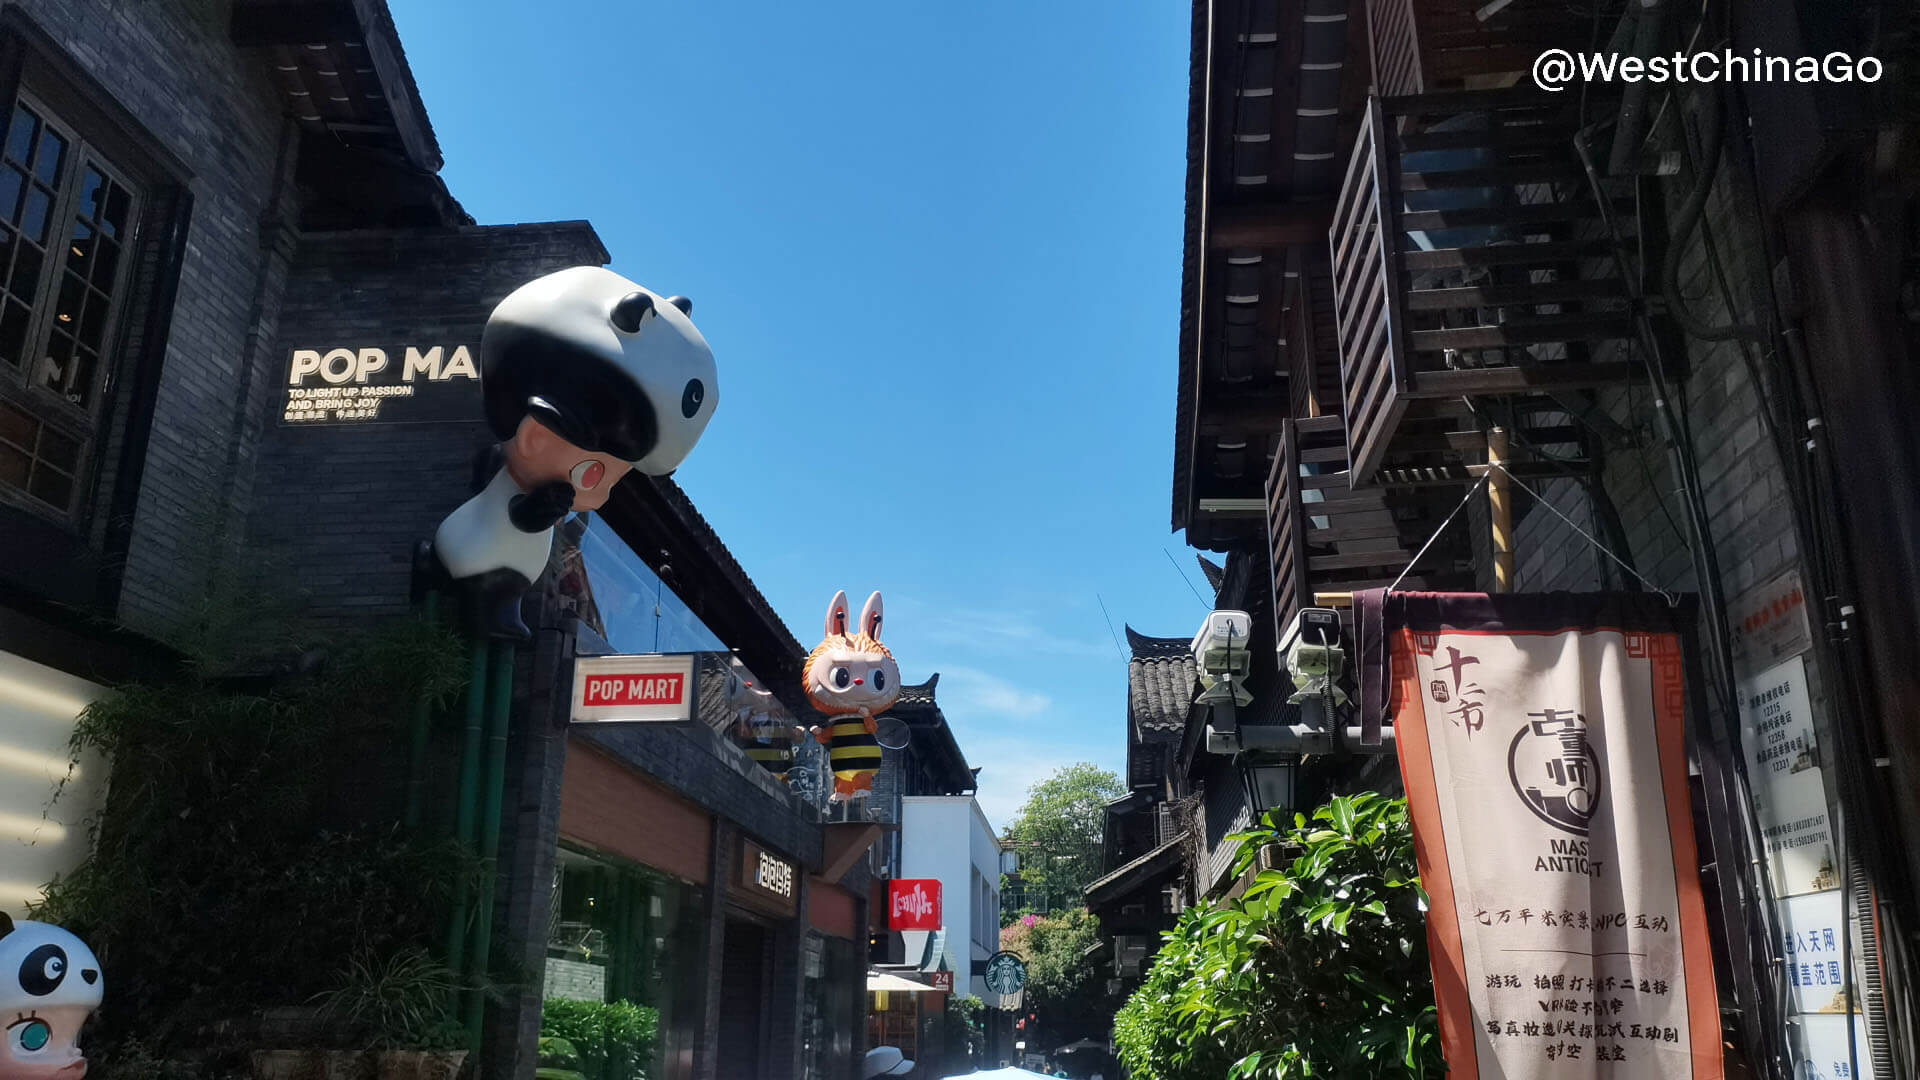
(1001, 1074)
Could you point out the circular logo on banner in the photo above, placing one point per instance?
(1555, 771)
(1006, 973)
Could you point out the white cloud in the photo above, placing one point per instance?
(970, 692)
(1008, 767)
(1001, 632)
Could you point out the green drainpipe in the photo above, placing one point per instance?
(464, 817)
(499, 709)
(422, 723)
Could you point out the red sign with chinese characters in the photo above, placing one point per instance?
(913, 904)
(942, 980)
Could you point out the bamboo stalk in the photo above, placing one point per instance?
(464, 809)
(422, 725)
(1499, 503)
(499, 710)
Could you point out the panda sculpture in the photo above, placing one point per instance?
(49, 984)
(585, 376)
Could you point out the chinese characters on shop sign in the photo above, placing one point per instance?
(1570, 931)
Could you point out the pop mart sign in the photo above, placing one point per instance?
(652, 688)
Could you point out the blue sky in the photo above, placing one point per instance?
(936, 250)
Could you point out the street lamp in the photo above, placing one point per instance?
(1269, 777)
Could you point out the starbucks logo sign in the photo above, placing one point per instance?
(1006, 973)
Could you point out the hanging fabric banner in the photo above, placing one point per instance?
(1542, 741)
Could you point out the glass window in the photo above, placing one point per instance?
(621, 933)
(65, 216)
(636, 612)
(827, 1017)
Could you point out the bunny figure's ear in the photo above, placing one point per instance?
(871, 615)
(837, 614)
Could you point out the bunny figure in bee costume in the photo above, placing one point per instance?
(852, 678)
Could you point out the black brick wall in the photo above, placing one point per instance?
(170, 65)
(339, 507)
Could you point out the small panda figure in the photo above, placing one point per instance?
(585, 377)
(852, 679)
(49, 984)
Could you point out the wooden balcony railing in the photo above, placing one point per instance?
(1419, 46)
(1469, 259)
(1324, 536)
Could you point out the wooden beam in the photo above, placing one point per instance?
(259, 23)
(1229, 412)
(1533, 378)
(1270, 226)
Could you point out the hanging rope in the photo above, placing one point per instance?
(1672, 600)
(1464, 500)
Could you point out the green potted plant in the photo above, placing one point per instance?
(558, 1060)
(613, 1040)
(404, 1007)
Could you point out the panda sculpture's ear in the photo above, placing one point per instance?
(6, 924)
(685, 305)
(630, 310)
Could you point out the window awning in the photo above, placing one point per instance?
(879, 980)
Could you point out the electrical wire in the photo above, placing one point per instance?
(1769, 976)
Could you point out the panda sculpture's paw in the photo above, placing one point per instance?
(542, 508)
(429, 573)
(490, 605)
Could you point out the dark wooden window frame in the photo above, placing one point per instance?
(76, 558)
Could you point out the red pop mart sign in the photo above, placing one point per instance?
(633, 689)
(913, 904)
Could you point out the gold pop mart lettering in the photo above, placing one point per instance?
(337, 366)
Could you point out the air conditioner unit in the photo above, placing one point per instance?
(1130, 951)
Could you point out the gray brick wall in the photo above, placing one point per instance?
(1745, 488)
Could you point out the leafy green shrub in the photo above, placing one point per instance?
(966, 1029)
(1318, 970)
(237, 861)
(614, 1040)
(558, 1060)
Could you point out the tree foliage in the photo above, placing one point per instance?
(1058, 833)
(1064, 989)
(1318, 970)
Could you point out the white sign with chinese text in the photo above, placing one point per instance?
(1547, 777)
(1813, 947)
(1783, 768)
(1769, 623)
(1820, 1045)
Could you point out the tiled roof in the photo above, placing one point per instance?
(1136, 873)
(1214, 571)
(1161, 682)
(920, 694)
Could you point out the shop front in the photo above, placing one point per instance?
(739, 961)
(696, 900)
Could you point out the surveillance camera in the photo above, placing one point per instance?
(1220, 648)
(1312, 655)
